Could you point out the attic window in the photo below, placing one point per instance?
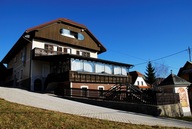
(71, 34)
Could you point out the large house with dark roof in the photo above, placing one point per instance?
(59, 55)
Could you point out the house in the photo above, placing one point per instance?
(175, 84)
(4, 72)
(61, 54)
(138, 80)
(185, 72)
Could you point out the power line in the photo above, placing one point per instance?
(128, 55)
(163, 57)
(146, 61)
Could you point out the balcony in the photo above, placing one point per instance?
(44, 52)
(97, 78)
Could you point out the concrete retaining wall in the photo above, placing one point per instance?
(172, 110)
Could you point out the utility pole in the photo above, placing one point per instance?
(189, 51)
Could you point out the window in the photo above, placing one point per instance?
(84, 91)
(67, 50)
(71, 34)
(82, 53)
(76, 65)
(99, 67)
(117, 70)
(100, 88)
(138, 83)
(48, 47)
(59, 49)
(142, 83)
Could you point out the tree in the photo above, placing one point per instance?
(150, 74)
(161, 70)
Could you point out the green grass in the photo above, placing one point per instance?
(16, 116)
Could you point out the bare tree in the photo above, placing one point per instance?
(162, 70)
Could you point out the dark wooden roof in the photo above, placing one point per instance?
(31, 32)
(187, 68)
(64, 20)
(71, 23)
(173, 79)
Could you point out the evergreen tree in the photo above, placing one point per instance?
(150, 74)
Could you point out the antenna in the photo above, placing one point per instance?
(189, 51)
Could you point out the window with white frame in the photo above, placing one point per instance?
(101, 89)
(84, 91)
(67, 50)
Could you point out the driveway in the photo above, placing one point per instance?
(51, 102)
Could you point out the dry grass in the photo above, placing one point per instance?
(16, 116)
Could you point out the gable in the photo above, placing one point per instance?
(55, 31)
(185, 70)
(174, 80)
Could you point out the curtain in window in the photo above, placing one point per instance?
(76, 65)
(124, 71)
(108, 69)
(88, 66)
(99, 68)
(117, 70)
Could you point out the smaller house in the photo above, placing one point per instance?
(175, 84)
(138, 80)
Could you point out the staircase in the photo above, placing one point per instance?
(125, 92)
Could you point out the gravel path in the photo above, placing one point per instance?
(49, 102)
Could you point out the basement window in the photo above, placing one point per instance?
(71, 34)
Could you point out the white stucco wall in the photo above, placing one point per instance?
(37, 44)
(41, 44)
(39, 70)
(140, 80)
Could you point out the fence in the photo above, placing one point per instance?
(146, 97)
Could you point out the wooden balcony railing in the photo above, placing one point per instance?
(97, 78)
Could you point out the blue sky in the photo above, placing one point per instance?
(133, 31)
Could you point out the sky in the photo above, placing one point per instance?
(133, 31)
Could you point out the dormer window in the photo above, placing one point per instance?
(71, 34)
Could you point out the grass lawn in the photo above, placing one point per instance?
(16, 116)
